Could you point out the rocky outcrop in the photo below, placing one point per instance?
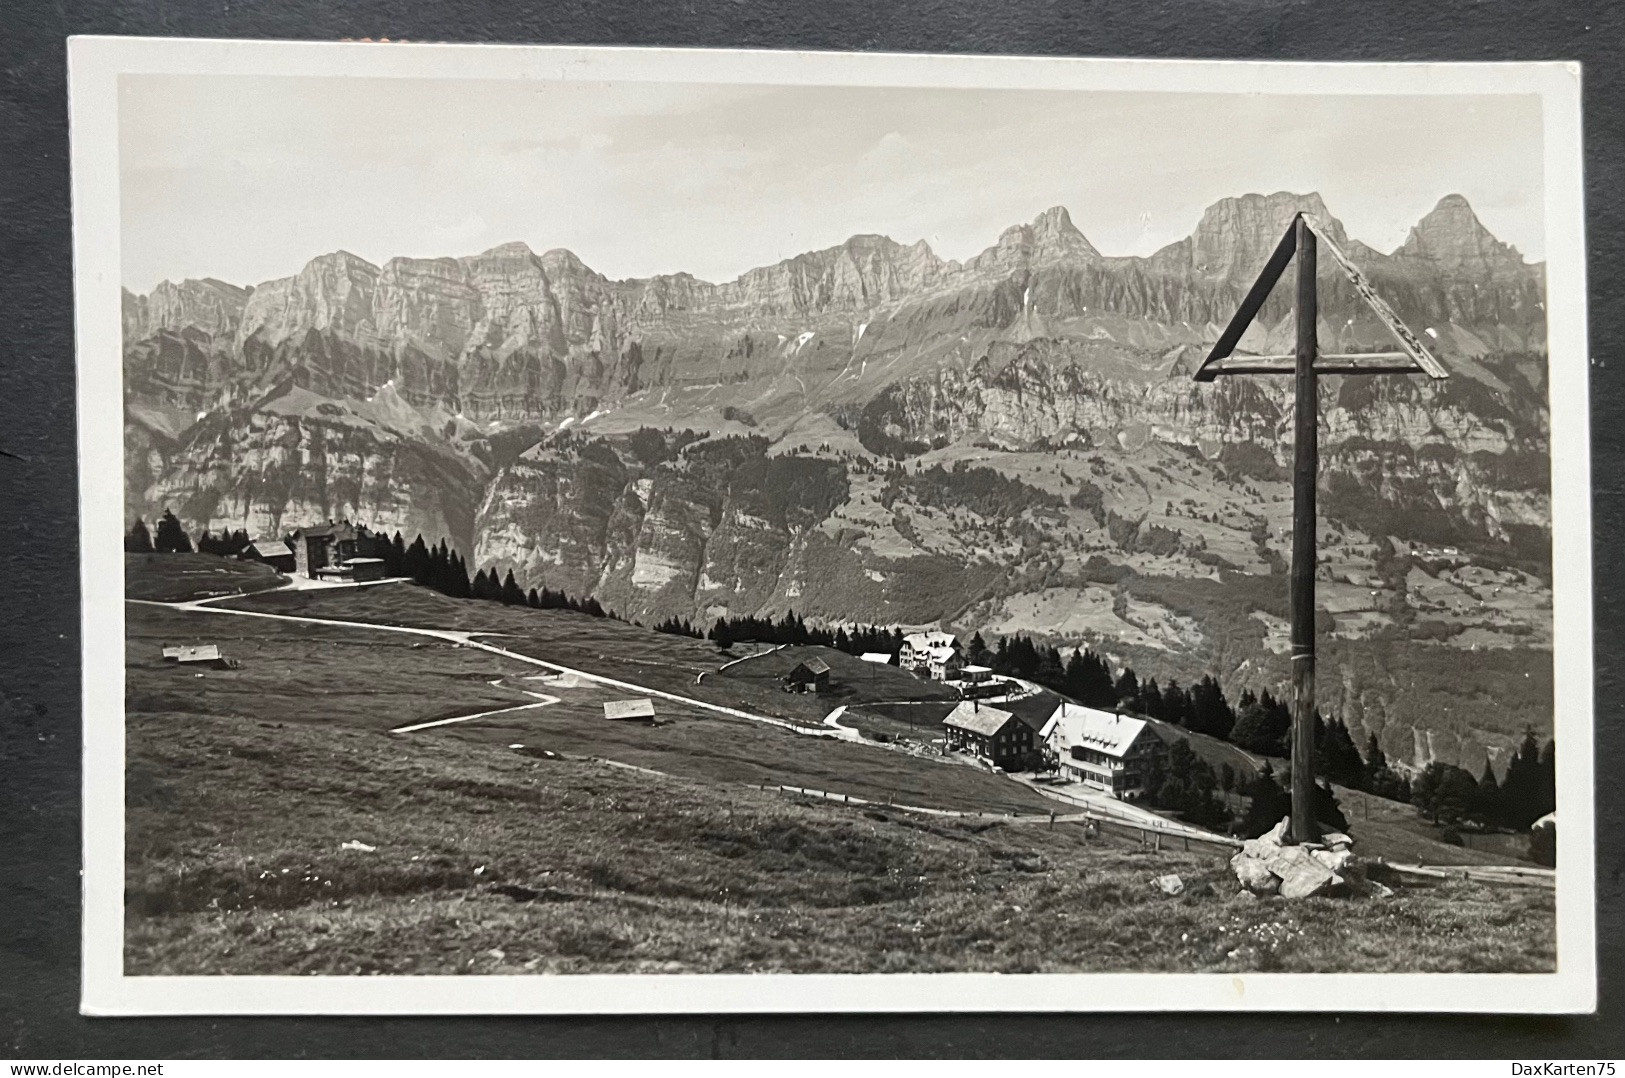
(210, 306)
(271, 471)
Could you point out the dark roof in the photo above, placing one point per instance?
(338, 531)
(1034, 711)
(978, 719)
(812, 666)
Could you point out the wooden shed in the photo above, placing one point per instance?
(809, 675)
(630, 710)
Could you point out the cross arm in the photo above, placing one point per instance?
(1347, 363)
(1251, 304)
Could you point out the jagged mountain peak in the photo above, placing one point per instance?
(1236, 234)
(1055, 221)
(1049, 238)
(1451, 237)
(341, 261)
(560, 261)
(511, 249)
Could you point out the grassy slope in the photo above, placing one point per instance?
(235, 866)
(308, 673)
(170, 578)
(597, 645)
(852, 681)
(376, 681)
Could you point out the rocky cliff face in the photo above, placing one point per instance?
(304, 460)
(508, 335)
(1039, 342)
(886, 436)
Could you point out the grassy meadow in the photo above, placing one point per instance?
(520, 842)
(488, 860)
(173, 578)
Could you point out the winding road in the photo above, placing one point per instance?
(831, 728)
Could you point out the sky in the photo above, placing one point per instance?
(247, 178)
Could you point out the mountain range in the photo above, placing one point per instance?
(1009, 443)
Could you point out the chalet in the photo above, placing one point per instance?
(809, 675)
(630, 710)
(1102, 749)
(975, 675)
(273, 552)
(990, 733)
(327, 552)
(918, 647)
(943, 664)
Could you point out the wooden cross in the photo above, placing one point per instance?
(1306, 364)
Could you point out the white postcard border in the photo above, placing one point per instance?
(94, 66)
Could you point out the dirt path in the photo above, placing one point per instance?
(831, 727)
(466, 638)
(542, 700)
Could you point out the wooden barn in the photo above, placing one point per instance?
(991, 733)
(809, 675)
(273, 552)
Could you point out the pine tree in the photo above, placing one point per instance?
(1327, 810)
(139, 539)
(512, 593)
(171, 538)
(1149, 700)
(1445, 793)
(395, 557)
(1546, 784)
(1521, 790)
(1375, 759)
(415, 563)
(721, 634)
(1487, 807)
(1128, 688)
(1269, 804)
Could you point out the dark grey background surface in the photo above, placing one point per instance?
(39, 589)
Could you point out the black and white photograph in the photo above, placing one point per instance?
(611, 529)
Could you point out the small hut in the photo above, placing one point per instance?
(630, 710)
(809, 675)
(273, 552)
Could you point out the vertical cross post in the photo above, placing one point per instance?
(1305, 470)
(1301, 241)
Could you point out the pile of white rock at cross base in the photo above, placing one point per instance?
(1267, 865)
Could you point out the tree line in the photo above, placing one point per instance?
(1259, 723)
